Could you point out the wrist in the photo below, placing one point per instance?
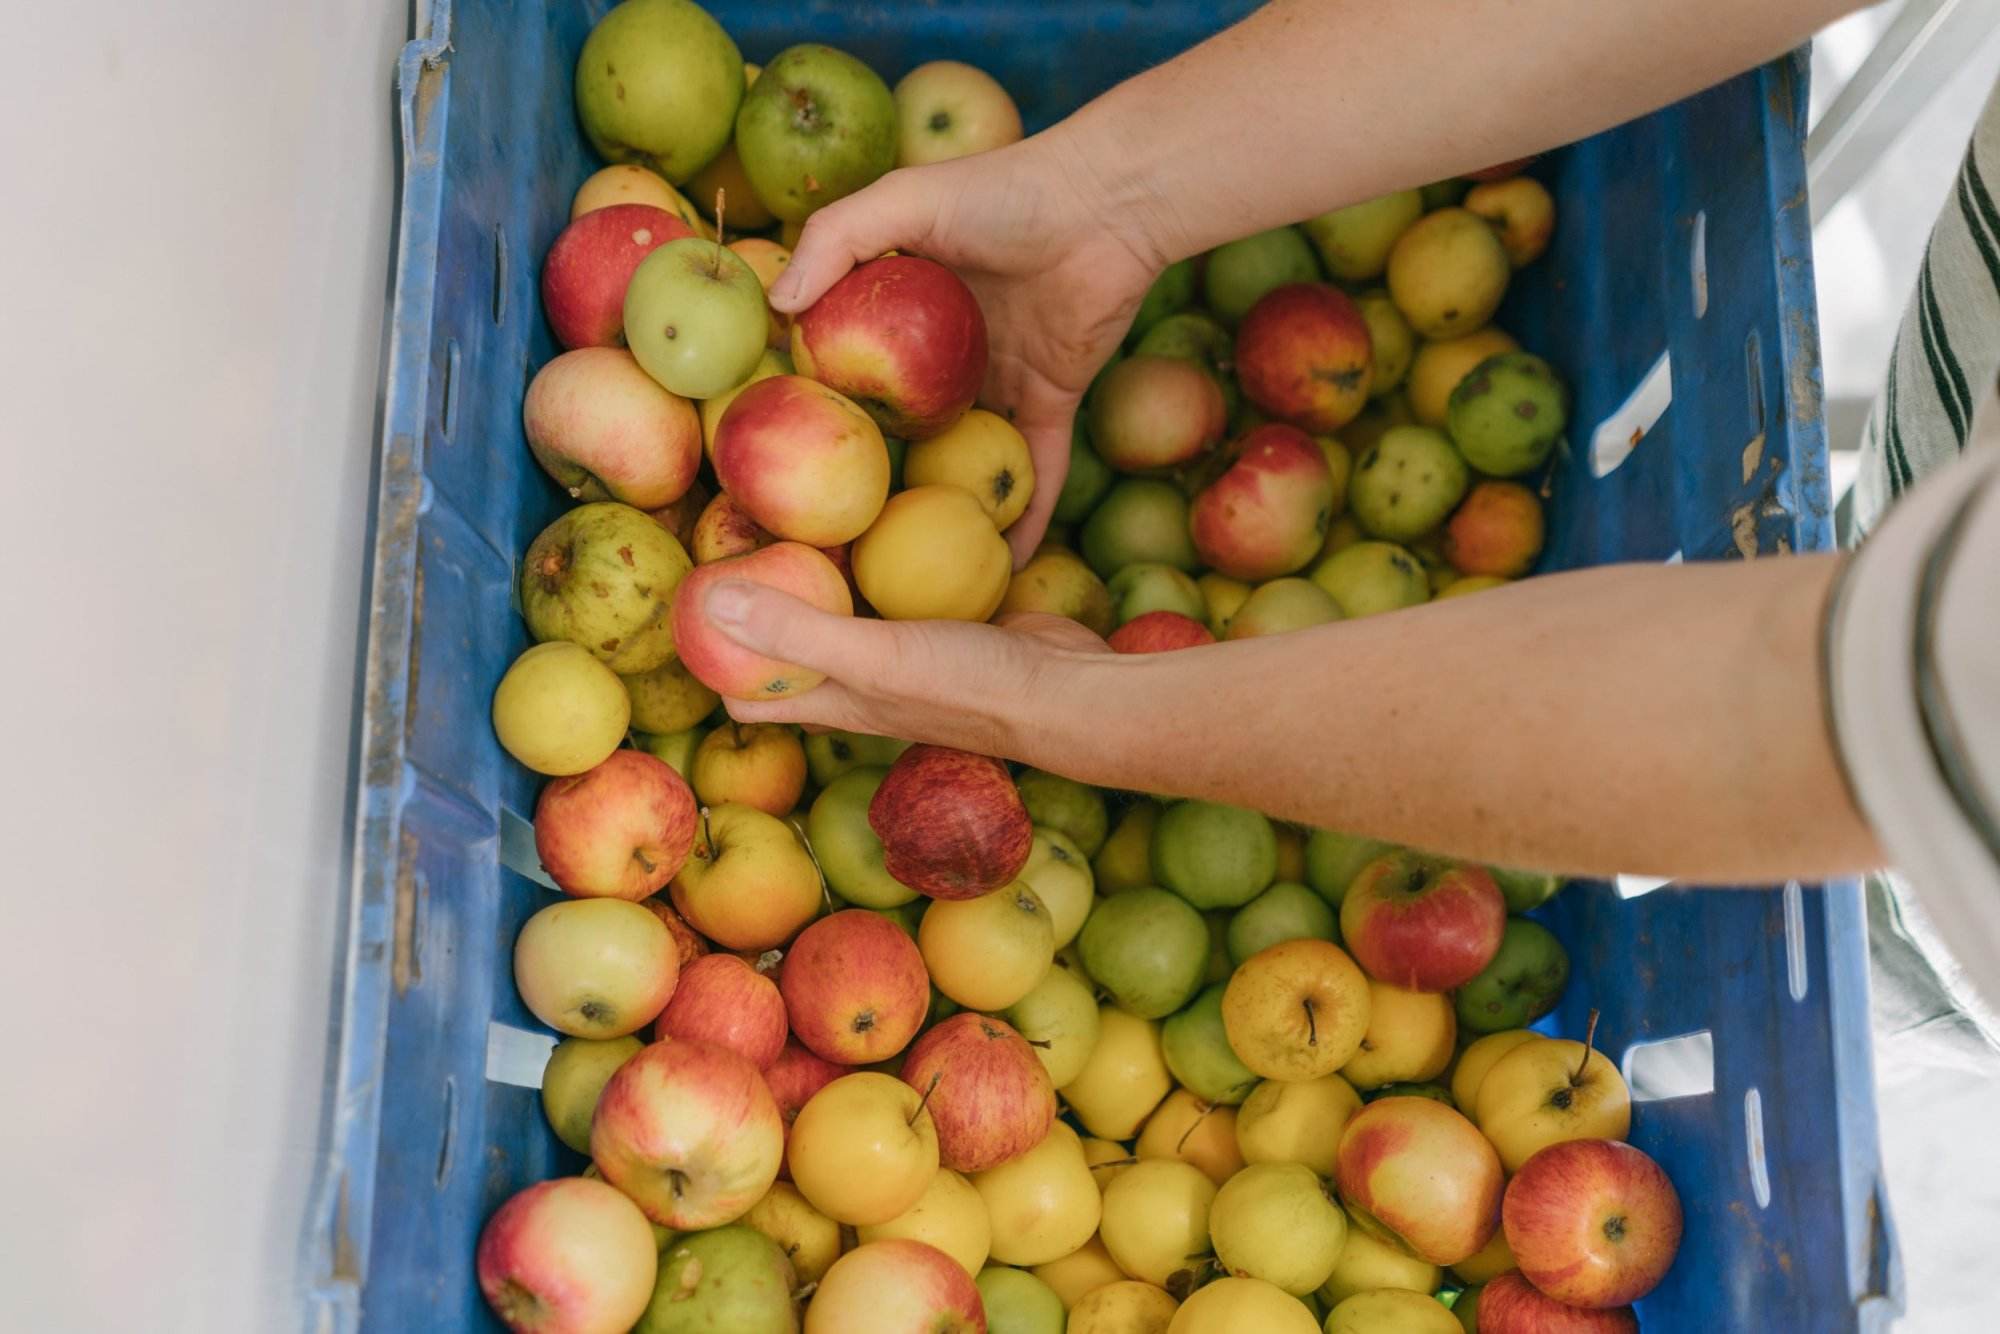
(1117, 191)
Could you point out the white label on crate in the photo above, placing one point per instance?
(1620, 433)
(516, 1056)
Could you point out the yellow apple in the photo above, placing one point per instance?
(557, 716)
(748, 882)
(768, 260)
(1193, 1131)
(1059, 874)
(1440, 365)
(863, 1149)
(1125, 1307)
(933, 554)
(1296, 1123)
(1156, 1218)
(983, 453)
(808, 1237)
(1545, 1092)
(628, 183)
(1410, 1037)
(1391, 1311)
(949, 1215)
(1241, 1306)
(595, 968)
(1477, 1059)
(760, 765)
(1368, 1264)
(1279, 1222)
(1107, 1159)
(1521, 210)
(989, 952)
(574, 1078)
(1126, 859)
(1296, 1010)
(1042, 1205)
(1124, 1078)
(1448, 272)
(1058, 582)
(1222, 597)
(1488, 1262)
(1466, 587)
(1084, 1270)
(668, 698)
(1058, 1017)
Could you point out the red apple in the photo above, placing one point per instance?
(1268, 514)
(1421, 923)
(1592, 1222)
(1158, 632)
(896, 1286)
(680, 517)
(855, 987)
(725, 666)
(688, 942)
(797, 1074)
(591, 264)
(1303, 355)
(723, 1000)
(989, 1095)
(569, 1256)
(803, 461)
(901, 336)
(1415, 1172)
(1496, 530)
(606, 430)
(618, 831)
(1152, 413)
(724, 529)
(952, 823)
(1510, 1304)
(690, 1132)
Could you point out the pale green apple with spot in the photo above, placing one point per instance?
(1199, 1055)
(815, 127)
(659, 83)
(1059, 1018)
(695, 317)
(1212, 855)
(1334, 859)
(1065, 805)
(731, 1277)
(1283, 912)
(1017, 1302)
(1407, 484)
(831, 754)
(849, 853)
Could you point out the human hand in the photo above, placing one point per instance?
(1057, 275)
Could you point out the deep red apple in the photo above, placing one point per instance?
(1268, 514)
(1510, 1304)
(1597, 1222)
(855, 987)
(1303, 355)
(989, 1094)
(1158, 632)
(952, 823)
(688, 942)
(901, 336)
(618, 831)
(723, 1000)
(1423, 923)
(590, 265)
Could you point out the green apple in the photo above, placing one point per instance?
(1391, 340)
(1199, 1055)
(603, 575)
(1139, 519)
(676, 748)
(1507, 415)
(1150, 586)
(1065, 805)
(1406, 484)
(1526, 889)
(574, 1079)
(732, 1278)
(1241, 271)
(1411, 1089)
(1354, 242)
(1171, 292)
(1281, 605)
(815, 127)
(1060, 875)
(1333, 860)
(1088, 478)
(1146, 947)
(1522, 983)
(1212, 855)
(850, 856)
(695, 317)
(1059, 1018)
(1372, 577)
(831, 754)
(1283, 912)
(659, 83)
(1017, 1302)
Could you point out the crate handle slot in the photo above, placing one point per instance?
(447, 1140)
(448, 409)
(1753, 1144)
(499, 273)
(1619, 434)
(1698, 263)
(1666, 1068)
(1795, 940)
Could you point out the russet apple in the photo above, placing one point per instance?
(595, 968)
(1354, 242)
(1267, 514)
(574, 1078)
(1547, 1092)
(816, 126)
(605, 430)
(695, 316)
(1058, 581)
(620, 830)
(723, 1000)
(1238, 1305)
(863, 1148)
(947, 109)
(668, 698)
(933, 554)
(902, 336)
(1124, 1078)
(1156, 1218)
(1152, 413)
(1414, 1171)
(569, 1255)
(1440, 364)
(724, 665)
(1058, 1019)
(1521, 210)
(1448, 273)
(590, 265)
(1084, 1270)
(748, 883)
(1303, 356)
(690, 1132)
(804, 462)
(1592, 1222)
(1125, 1307)
(1281, 606)
(1422, 923)
(948, 1215)
(688, 942)
(987, 953)
(1297, 1010)
(1497, 531)
(1510, 1304)
(1477, 1059)
(896, 1286)
(809, 1239)
(952, 823)
(604, 575)
(1159, 632)
(761, 765)
(983, 453)
(1411, 1037)
(1369, 1264)
(1279, 1222)
(989, 1096)
(1043, 1205)
(1391, 1311)
(1192, 1131)
(854, 987)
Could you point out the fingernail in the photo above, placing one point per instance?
(728, 605)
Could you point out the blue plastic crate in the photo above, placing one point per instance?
(1683, 236)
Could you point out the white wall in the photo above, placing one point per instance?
(194, 240)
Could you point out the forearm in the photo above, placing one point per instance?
(1662, 720)
(1308, 105)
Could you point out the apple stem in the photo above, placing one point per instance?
(1589, 1038)
(1043, 1043)
(802, 1294)
(707, 835)
(921, 1102)
(1193, 1126)
(721, 201)
(1312, 1024)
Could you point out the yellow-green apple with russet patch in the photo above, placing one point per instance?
(595, 968)
(863, 1148)
(896, 1286)
(1147, 948)
(802, 460)
(659, 82)
(1296, 1010)
(1592, 1223)
(695, 316)
(1151, 413)
(815, 127)
(952, 823)
(988, 952)
(1423, 922)
(605, 430)
(590, 265)
(731, 1277)
(1547, 1092)
(726, 666)
(576, 1073)
(1266, 515)
(1285, 1121)
(1411, 1037)
(568, 1254)
(988, 1095)
(620, 830)
(948, 109)
(723, 1000)
(1406, 484)
(1198, 1053)
(903, 337)
(605, 576)
(1156, 1218)
(1184, 1127)
(1414, 1171)
(748, 883)
(1507, 414)
(854, 987)
(1058, 1018)
(1439, 366)
(761, 765)
(848, 852)
(1302, 355)
(1279, 1222)
(1354, 242)
(1281, 606)
(985, 454)
(1447, 273)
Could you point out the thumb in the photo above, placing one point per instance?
(780, 626)
(897, 212)
(1048, 446)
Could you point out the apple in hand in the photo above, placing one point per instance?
(1417, 1172)
(1153, 413)
(952, 823)
(1592, 1222)
(863, 1149)
(802, 460)
(761, 765)
(590, 265)
(1510, 1304)
(896, 1286)
(1159, 632)
(620, 830)
(1267, 514)
(605, 430)
(989, 1096)
(569, 1256)
(595, 968)
(1297, 1010)
(690, 1132)
(902, 336)
(855, 987)
(1548, 1091)
(1422, 923)
(723, 1000)
(748, 884)
(724, 665)
(1303, 356)
(695, 316)
(947, 109)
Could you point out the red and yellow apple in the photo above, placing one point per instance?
(989, 1096)
(1592, 1222)
(855, 988)
(1497, 530)
(897, 1286)
(802, 460)
(1267, 514)
(1414, 1171)
(605, 430)
(903, 337)
(620, 830)
(1152, 413)
(1159, 632)
(725, 666)
(952, 823)
(595, 968)
(1510, 1304)
(724, 529)
(748, 883)
(1304, 357)
(723, 1000)
(569, 1256)
(863, 1149)
(590, 265)
(1422, 923)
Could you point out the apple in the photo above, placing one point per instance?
(1195, 336)
(1016, 1302)
(1478, 1059)
(595, 968)
(775, 361)
(1278, 1222)
(1198, 1054)
(1391, 1311)
(1222, 597)
(1058, 1019)
(1296, 1010)
(896, 1286)
(863, 1149)
(674, 749)
(1522, 982)
(695, 317)
(1414, 1171)
(1469, 584)
(577, 1070)
(1124, 1078)
(1189, 1130)
(1156, 1218)
(1238, 273)
(849, 854)
(1521, 210)
(658, 82)
(760, 765)
(1267, 514)
(1440, 364)
(1491, 1260)
(1149, 586)
(1369, 1264)
(1372, 577)
(1126, 859)
(589, 267)
(1058, 582)
(1407, 483)
(1423, 923)
(1334, 859)
(1281, 606)
(1219, 965)
(947, 109)
(668, 698)
(724, 665)
(1074, 1276)
(1510, 1304)
(987, 953)
(1152, 413)
(629, 183)
(1043, 1204)
(1291, 852)
(988, 1094)
(949, 1215)
(679, 517)
(831, 754)
(604, 576)
(749, 884)
(1550, 1091)
(983, 453)
(1125, 1307)
(1392, 343)
(1236, 1305)
(855, 987)
(1159, 632)
(1447, 273)
(690, 1132)
(1147, 948)
(1212, 855)
(933, 554)
(1497, 531)
(724, 529)
(802, 461)
(604, 430)
(1592, 1223)
(1107, 1158)
(1285, 911)
(1140, 519)
(1507, 414)
(1302, 356)
(1060, 876)
(768, 260)
(952, 824)
(723, 1000)
(1526, 890)
(570, 1255)
(620, 830)
(809, 1239)
(1411, 1038)
(731, 1277)
(816, 126)
(688, 943)
(1354, 242)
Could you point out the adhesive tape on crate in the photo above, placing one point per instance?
(516, 1056)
